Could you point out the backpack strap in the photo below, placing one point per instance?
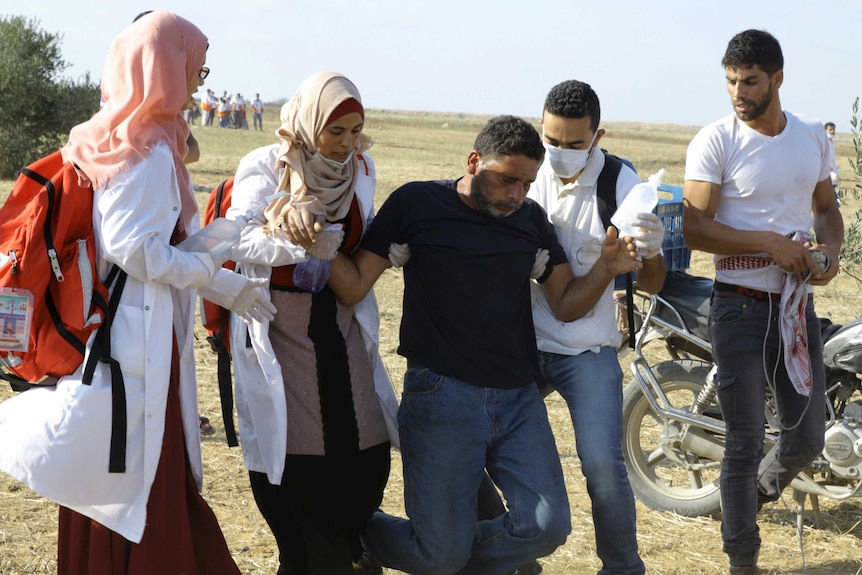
(18, 384)
(101, 353)
(606, 195)
(606, 188)
(216, 341)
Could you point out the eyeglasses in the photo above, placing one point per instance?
(204, 73)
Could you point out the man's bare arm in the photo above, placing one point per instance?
(651, 276)
(702, 232)
(828, 227)
(352, 277)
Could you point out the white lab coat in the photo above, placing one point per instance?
(260, 398)
(56, 440)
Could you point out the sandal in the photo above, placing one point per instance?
(206, 428)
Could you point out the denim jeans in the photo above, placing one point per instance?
(591, 384)
(450, 433)
(746, 346)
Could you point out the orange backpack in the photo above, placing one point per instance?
(216, 319)
(48, 248)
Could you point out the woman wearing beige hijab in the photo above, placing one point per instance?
(316, 407)
(149, 517)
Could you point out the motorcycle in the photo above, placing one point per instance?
(673, 433)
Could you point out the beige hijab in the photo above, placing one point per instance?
(313, 184)
(145, 86)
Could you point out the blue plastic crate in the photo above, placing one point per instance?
(669, 210)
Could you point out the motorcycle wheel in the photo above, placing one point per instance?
(664, 476)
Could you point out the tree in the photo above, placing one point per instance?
(39, 106)
(851, 251)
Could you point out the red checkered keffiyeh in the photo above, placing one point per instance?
(794, 330)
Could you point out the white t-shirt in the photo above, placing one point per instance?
(573, 209)
(767, 182)
(833, 164)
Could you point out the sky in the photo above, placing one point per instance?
(649, 61)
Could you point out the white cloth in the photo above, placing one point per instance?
(766, 182)
(573, 209)
(260, 397)
(57, 440)
(794, 333)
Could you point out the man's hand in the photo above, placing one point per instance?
(794, 257)
(821, 279)
(619, 256)
(298, 220)
(301, 226)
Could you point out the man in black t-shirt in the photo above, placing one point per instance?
(469, 400)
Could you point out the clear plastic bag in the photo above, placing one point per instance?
(643, 198)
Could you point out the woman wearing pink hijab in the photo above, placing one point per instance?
(150, 518)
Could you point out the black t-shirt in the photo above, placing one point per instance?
(466, 310)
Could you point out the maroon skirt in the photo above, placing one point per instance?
(182, 535)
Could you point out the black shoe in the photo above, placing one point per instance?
(367, 565)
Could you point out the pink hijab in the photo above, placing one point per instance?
(145, 86)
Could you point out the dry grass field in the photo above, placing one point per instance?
(413, 146)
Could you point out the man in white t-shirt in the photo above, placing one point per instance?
(578, 359)
(755, 183)
(257, 112)
(209, 105)
(833, 159)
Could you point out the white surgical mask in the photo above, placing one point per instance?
(829, 136)
(334, 164)
(566, 163)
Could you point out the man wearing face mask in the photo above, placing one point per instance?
(578, 358)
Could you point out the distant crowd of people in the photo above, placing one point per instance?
(230, 109)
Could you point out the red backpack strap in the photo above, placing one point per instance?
(364, 163)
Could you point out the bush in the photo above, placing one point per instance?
(38, 107)
(851, 251)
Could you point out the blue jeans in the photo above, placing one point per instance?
(450, 433)
(591, 384)
(746, 345)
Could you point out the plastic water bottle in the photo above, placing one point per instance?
(312, 274)
(643, 198)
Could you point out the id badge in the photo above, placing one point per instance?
(16, 315)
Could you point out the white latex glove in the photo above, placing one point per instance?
(649, 235)
(325, 246)
(253, 303)
(220, 259)
(542, 257)
(399, 255)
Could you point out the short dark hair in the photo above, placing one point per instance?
(829, 125)
(142, 14)
(754, 48)
(509, 136)
(574, 99)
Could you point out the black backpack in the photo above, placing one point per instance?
(606, 194)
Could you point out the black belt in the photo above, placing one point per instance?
(744, 291)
